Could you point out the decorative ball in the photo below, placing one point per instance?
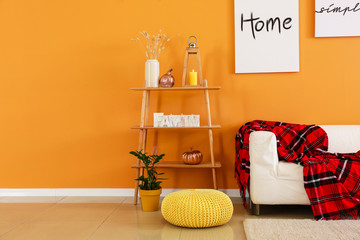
(193, 157)
(167, 80)
(197, 208)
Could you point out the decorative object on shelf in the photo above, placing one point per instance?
(167, 80)
(337, 18)
(157, 119)
(152, 67)
(161, 120)
(150, 188)
(193, 78)
(197, 208)
(192, 120)
(154, 45)
(193, 157)
(192, 49)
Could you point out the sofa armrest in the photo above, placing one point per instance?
(271, 181)
(263, 165)
(264, 158)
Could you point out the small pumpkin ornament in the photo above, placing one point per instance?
(193, 157)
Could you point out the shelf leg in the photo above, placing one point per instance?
(146, 118)
(136, 186)
(211, 140)
(142, 137)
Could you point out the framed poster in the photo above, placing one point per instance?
(266, 36)
(337, 18)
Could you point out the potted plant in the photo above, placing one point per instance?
(149, 185)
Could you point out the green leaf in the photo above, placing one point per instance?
(149, 180)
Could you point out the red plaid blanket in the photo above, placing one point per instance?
(331, 180)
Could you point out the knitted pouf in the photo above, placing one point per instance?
(197, 208)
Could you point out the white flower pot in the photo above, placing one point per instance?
(152, 69)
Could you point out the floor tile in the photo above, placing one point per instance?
(116, 232)
(136, 224)
(6, 227)
(236, 200)
(47, 231)
(92, 200)
(130, 222)
(129, 200)
(236, 222)
(105, 218)
(224, 232)
(132, 214)
(15, 213)
(76, 213)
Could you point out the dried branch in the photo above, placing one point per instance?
(153, 45)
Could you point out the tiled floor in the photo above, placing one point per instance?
(113, 218)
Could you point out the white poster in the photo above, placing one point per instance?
(266, 36)
(337, 18)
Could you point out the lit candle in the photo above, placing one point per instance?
(193, 78)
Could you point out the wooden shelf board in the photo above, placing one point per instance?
(152, 127)
(175, 88)
(180, 164)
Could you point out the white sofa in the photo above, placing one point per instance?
(274, 182)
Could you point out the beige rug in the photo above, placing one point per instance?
(304, 229)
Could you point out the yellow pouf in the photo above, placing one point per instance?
(197, 208)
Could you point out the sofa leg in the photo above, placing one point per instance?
(255, 208)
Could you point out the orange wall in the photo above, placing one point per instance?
(66, 68)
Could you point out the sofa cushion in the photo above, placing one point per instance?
(343, 138)
(290, 171)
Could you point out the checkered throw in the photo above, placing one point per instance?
(331, 180)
